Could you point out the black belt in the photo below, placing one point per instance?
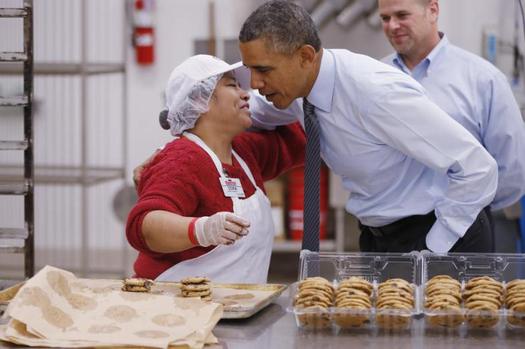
(401, 224)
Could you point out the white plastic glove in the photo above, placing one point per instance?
(220, 228)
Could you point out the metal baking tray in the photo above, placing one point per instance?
(226, 293)
(241, 311)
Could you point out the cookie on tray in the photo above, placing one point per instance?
(136, 285)
(196, 286)
(195, 280)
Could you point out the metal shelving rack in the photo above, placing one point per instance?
(81, 177)
(21, 240)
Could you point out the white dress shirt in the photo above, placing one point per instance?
(397, 152)
(477, 95)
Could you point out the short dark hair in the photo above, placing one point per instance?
(284, 25)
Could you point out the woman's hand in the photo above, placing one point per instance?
(221, 228)
(137, 171)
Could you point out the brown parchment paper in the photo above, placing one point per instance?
(56, 309)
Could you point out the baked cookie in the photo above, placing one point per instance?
(356, 283)
(136, 285)
(196, 286)
(514, 283)
(195, 280)
(203, 293)
(353, 302)
(442, 301)
(314, 291)
(312, 302)
(395, 303)
(485, 281)
(515, 302)
(314, 318)
(483, 298)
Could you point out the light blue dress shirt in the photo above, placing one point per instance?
(477, 95)
(396, 151)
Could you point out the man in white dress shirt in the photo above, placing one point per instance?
(417, 178)
(468, 88)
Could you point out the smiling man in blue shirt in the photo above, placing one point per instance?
(468, 88)
(417, 178)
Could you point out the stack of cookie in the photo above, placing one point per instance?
(314, 296)
(196, 287)
(136, 285)
(443, 300)
(515, 302)
(483, 297)
(353, 300)
(398, 295)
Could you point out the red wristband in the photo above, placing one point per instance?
(191, 232)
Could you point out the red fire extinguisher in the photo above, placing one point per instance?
(295, 201)
(144, 32)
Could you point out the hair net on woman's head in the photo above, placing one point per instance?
(183, 115)
(191, 86)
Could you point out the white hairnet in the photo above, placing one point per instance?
(190, 87)
(183, 115)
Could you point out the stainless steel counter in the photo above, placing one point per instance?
(273, 327)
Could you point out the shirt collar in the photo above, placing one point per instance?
(440, 47)
(322, 91)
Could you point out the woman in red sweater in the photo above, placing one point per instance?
(202, 210)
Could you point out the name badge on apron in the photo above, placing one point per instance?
(232, 187)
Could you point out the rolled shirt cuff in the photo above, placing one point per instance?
(440, 239)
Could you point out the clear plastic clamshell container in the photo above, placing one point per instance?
(495, 307)
(374, 268)
(481, 291)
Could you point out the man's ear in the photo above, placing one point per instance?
(433, 6)
(307, 55)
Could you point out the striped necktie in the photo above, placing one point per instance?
(312, 169)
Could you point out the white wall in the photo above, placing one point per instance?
(178, 24)
(463, 21)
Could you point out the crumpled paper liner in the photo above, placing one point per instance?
(56, 309)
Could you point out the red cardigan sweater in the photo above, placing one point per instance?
(183, 179)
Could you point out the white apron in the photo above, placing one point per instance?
(248, 259)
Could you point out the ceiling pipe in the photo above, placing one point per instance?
(327, 9)
(374, 20)
(357, 9)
